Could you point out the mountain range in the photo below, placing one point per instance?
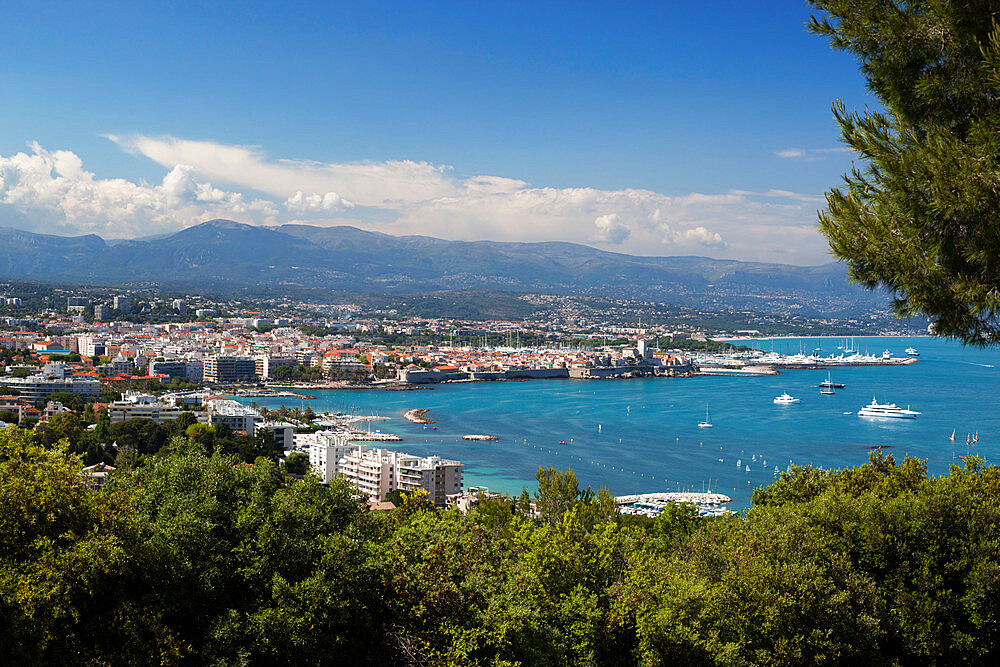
(233, 256)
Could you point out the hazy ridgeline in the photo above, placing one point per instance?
(204, 559)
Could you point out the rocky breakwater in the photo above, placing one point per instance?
(418, 416)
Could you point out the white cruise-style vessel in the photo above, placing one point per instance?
(785, 399)
(886, 411)
(912, 352)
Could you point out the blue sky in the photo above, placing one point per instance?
(652, 128)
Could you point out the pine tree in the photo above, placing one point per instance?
(921, 217)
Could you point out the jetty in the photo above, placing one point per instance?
(480, 437)
(418, 416)
(360, 436)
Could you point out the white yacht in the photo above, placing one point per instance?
(886, 411)
(785, 399)
(912, 352)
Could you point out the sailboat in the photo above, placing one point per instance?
(708, 422)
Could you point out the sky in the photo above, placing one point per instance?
(661, 128)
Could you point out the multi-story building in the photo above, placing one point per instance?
(283, 433)
(225, 369)
(266, 365)
(91, 346)
(174, 368)
(123, 304)
(326, 449)
(141, 406)
(38, 387)
(438, 477)
(345, 368)
(236, 416)
(121, 366)
(376, 472)
(101, 312)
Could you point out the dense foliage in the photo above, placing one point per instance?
(921, 216)
(205, 558)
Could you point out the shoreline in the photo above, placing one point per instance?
(730, 339)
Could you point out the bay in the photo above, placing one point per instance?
(642, 435)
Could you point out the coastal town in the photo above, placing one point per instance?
(101, 361)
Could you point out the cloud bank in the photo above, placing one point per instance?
(204, 180)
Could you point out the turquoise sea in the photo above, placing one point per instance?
(642, 435)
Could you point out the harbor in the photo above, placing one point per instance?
(653, 504)
(642, 436)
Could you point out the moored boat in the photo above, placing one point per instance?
(886, 411)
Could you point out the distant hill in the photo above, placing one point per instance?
(235, 256)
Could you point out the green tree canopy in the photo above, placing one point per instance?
(297, 463)
(921, 216)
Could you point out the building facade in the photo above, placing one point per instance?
(225, 369)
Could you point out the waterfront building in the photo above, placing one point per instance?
(326, 450)
(339, 367)
(376, 472)
(136, 405)
(236, 416)
(226, 369)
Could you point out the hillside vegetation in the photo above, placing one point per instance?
(205, 559)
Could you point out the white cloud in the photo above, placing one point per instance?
(809, 153)
(790, 153)
(53, 189)
(364, 183)
(699, 235)
(331, 201)
(611, 229)
(401, 197)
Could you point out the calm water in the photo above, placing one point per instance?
(641, 435)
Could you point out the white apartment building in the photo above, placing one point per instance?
(376, 472)
(141, 406)
(326, 449)
(236, 416)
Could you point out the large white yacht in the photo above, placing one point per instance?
(785, 399)
(886, 411)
